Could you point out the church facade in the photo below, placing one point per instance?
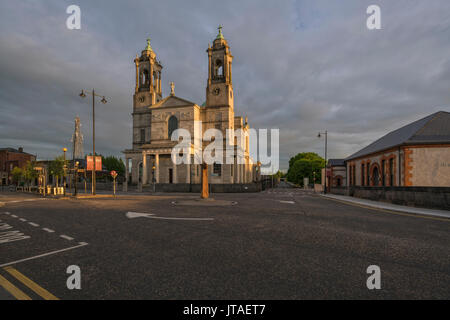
(155, 119)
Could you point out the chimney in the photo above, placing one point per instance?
(20, 149)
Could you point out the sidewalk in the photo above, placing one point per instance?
(389, 206)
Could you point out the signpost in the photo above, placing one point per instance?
(114, 176)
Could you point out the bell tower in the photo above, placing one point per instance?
(148, 78)
(219, 90)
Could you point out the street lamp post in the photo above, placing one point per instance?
(64, 168)
(153, 177)
(76, 177)
(326, 147)
(83, 95)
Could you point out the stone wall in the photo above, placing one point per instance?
(196, 188)
(426, 197)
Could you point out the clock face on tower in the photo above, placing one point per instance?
(141, 99)
(216, 91)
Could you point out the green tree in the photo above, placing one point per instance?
(56, 168)
(114, 163)
(29, 173)
(305, 165)
(17, 174)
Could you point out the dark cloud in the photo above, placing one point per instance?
(301, 66)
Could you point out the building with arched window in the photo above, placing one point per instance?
(155, 119)
(417, 154)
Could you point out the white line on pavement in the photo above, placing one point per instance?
(33, 224)
(48, 230)
(80, 244)
(14, 216)
(66, 237)
(22, 219)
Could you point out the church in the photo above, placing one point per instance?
(155, 119)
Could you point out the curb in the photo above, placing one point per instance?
(399, 209)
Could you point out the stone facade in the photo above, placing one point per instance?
(154, 119)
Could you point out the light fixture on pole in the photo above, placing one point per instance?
(326, 146)
(83, 95)
(64, 168)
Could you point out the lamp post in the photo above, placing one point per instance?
(76, 177)
(153, 177)
(64, 168)
(326, 146)
(83, 95)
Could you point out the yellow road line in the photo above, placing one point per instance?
(16, 292)
(30, 284)
(389, 211)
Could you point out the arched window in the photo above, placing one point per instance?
(375, 176)
(219, 68)
(173, 125)
(145, 76)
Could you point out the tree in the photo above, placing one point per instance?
(29, 173)
(113, 163)
(56, 168)
(305, 165)
(17, 174)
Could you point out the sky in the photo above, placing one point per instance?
(299, 66)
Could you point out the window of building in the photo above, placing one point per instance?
(391, 172)
(217, 169)
(142, 135)
(368, 175)
(173, 125)
(219, 68)
(362, 174)
(383, 177)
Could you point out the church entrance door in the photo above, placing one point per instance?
(170, 175)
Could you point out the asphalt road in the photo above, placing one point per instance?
(279, 244)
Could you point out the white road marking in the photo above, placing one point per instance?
(22, 219)
(8, 213)
(66, 237)
(189, 219)
(132, 215)
(14, 216)
(290, 202)
(48, 230)
(33, 224)
(80, 244)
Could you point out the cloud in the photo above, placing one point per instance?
(301, 66)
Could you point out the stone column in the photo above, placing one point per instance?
(174, 166)
(157, 168)
(144, 168)
(188, 173)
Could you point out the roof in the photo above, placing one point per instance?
(336, 162)
(15, 151)
(433, 129)
(172, 101)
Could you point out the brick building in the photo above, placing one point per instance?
(11, 158)
(336, 173)
(417, 154)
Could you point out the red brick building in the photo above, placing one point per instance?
(11, 158)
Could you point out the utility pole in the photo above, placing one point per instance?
(83, 95)
(326, 148)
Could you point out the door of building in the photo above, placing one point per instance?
(170, 175)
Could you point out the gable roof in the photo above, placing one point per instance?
(432, 129)
(336, 162)
(172, 101)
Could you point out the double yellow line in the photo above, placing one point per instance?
(19, 294)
